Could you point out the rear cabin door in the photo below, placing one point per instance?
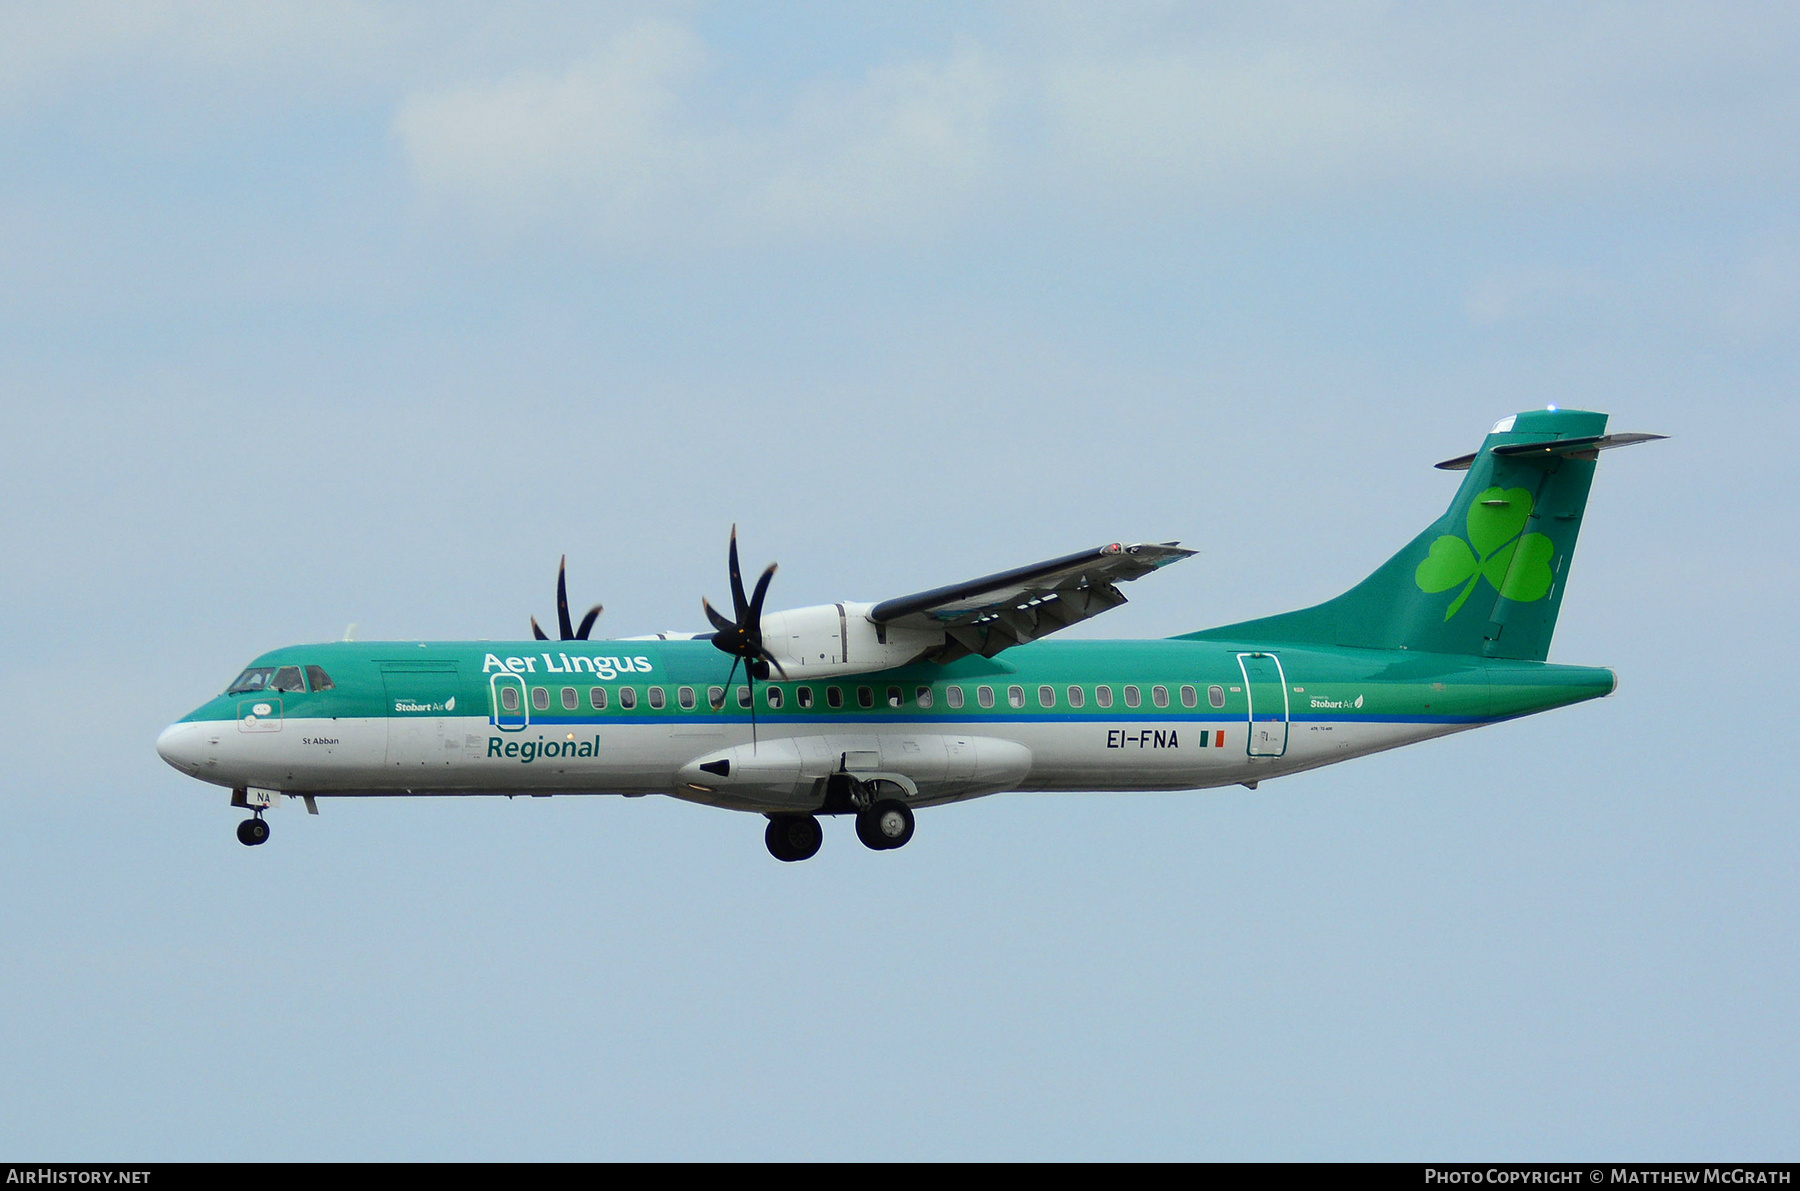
(1265, 684)
(423, 703)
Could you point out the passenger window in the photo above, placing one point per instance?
(540, 698)
(773, 694)
(1132, 698)
(715, 697)
(288, 681)
(597, 697)
(628, 698)
(1076, 696)
(895, 696)
(318, 679)
(571, 699)
(953, 695)
(922, 697)
(1159, 695)
(984, 695)
(865, 696)
(1046, 696)
(834, 696)
(509, 698)
(805, 695)
(1015, 696)
(1103, 696)
(256, 678)
(744, 697)
(1190, 697)
(685, 696)
(658, 700)
(1215, 695)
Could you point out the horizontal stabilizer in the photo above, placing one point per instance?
(1572, 448)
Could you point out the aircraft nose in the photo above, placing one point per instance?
(181, 745)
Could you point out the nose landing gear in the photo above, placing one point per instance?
(252, 832)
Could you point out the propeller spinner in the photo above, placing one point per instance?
(569, 633)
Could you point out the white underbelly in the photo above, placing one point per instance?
(453, 754)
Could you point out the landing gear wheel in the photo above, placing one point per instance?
(887, 824)
(793, 837)
(252, 832)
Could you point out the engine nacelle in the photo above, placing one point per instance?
(837, 639)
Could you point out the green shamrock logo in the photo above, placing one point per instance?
(1515, 563)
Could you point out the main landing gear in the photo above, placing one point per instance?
(793, 837)
(887, 824)
(252, 832)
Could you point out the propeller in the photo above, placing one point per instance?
(569, 633)
(742, 637)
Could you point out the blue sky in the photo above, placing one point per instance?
(322, 313)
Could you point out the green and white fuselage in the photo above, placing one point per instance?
(950, 694)
(428, 718)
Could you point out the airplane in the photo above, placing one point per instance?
(878, 710)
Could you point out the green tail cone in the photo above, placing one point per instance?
(1486, 578)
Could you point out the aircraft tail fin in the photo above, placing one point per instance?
(1487, 577)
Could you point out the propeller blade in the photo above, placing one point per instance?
(756, 601)
(750, 677)
(537, 632)
(587, 622)
(562, 599)
(725, 697)
(719, 622)
(737, 581)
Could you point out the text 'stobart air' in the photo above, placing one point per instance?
(878, 710)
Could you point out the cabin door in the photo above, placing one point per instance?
(422, 712)
(1265, 688)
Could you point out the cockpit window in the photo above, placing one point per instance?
(256, 678)
(288, 681)
(318, 679)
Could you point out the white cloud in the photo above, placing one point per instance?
(1149, 107)
(1219, 120)
(598, 140)
(614, 144)
(1439, 98)
(599, 120)
(904, 148)
(49, 50)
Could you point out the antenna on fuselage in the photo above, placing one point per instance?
(349, 632)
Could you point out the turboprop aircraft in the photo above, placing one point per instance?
(877, 710)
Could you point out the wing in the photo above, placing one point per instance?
(990, 614)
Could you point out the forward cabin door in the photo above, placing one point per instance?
(1266, 691)
(422, 709)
